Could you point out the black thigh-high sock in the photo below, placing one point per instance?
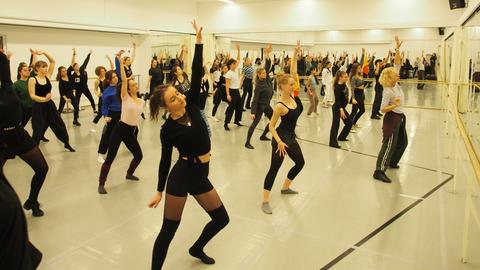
(169, 227)
(219, 220)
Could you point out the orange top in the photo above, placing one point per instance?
(296, 91)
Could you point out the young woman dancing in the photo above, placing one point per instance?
(125, 130)
(66, 86)
(219, 93)
(395, 138)
(98, 88)
(17, 141)
(284, 140)
(79, 77)
(185, 130)
(339, 109)
(260, 105)
(232, 87)
(312, 88)
(21, 88)
(44, 112)
(358, 87)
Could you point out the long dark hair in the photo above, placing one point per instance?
(173, 76)
(354, 70)
(157, 100)
(19, 69)
(231, 62)
(108, 78)
(338, 75)
(59, 71)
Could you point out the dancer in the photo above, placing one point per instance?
(202, 99)
(395, 139)
(358, 86)
(339, 109)
(312, 88)
(327, 81)
(379, 66)
(17, 141)
(98, 88)
(21, 88)
(260, 105)
(246, 82)
(186, 130)
(220, 93)
(155, 76)
(126, 129)
(232, 87)
(284, 138)
(111, 109)
(79, 77)
(66, 94)
(44, 112)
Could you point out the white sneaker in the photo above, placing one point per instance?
(100, 159)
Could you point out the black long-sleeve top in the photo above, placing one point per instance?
(65, 87)
(10, 107)
(80, 81)
(190, 140)
(262, 94)
(341, 96)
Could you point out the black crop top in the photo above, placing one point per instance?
(42, 90)
(341, 96)
(189, 140)
(289, 120)
(65, 87)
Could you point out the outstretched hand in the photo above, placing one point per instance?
(198, 31)
(398, 43)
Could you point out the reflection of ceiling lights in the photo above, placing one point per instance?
(226, 1)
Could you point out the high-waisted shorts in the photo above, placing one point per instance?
(188, 177)
(16, 142)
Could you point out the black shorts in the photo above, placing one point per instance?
(16, 142)
(187, 177)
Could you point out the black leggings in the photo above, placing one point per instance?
(85, 91)
(359, 108)
(234, 105)
(99, 111)
(377, 100)
(336, 124)
(128, 135)
(258, 116)
(107, 132)
(217, 99)
(247, 90)
(45, 115)
(61, 105)
(295, 153)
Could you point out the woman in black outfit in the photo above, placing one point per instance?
(16, 141)
(44, 112)
(260, 105)
(156, 76)
(358, 87)
(66, 93)
(79, 77)
(100, 71)
(339, 109)
(219, 93)
(186, 130)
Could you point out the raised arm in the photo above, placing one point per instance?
(197, 68)
(117, 65)
(51, 61)
(112, 66)
(293, 62)
(74, 53)
(134, 52)
(124, 88)
(85, 62)
(398, 44)
(33, 59)
(238, 53)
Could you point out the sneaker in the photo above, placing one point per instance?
(381, 176)
(375, 117)
(238, 124)
(266, 208)
(288, 192)
(131, 177)
(249, 146)
(100, 159)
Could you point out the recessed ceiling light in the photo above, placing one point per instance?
(226, 1)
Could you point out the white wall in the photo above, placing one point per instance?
(116, 15)
(308, 15)
(59, 42)
(380, 41)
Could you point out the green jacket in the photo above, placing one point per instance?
(21, 88)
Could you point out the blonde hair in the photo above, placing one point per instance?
(387, 78)
(283, 79)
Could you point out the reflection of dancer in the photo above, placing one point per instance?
(185, 130)
(17, 141)
(79, 77)
(232, 87)
(339, 110)
(66, 86)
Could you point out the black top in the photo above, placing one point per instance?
(262, 94)
(65, 87)
(157, 75)
(42, 90)
(289, 120)
(16, 251)
(341, 96)
(100, 85)
(189, 140)
(202, 100)
(128, 71)
(80, 81)
(182, 87)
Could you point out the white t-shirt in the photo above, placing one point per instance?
(421, 66)
(216, 75)
(234, 79)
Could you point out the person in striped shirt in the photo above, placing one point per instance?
(247, 83)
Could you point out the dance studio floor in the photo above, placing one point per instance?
(342, 218)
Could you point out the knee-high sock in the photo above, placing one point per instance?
(164, 238)
(219, 220)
